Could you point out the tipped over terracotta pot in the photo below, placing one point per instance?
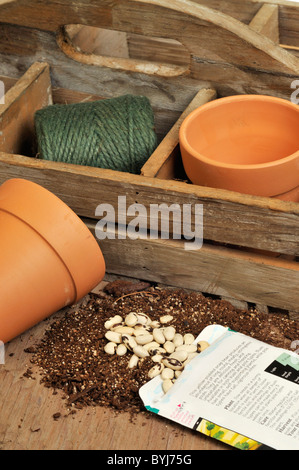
(49, 258)
(244, 143)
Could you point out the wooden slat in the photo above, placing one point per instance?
(220, 40)
(30, 93)
(213, 270)
(260, 223)
(161, 164)
(242, 10)
(266, 22)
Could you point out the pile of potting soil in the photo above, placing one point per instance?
(71, 354)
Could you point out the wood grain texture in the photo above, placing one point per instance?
(29, 94)
(266, 22)
(223, 44)
(212, 269)
(260, 223)
(161, 164)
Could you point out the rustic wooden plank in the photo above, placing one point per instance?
(214, 270)
(266, 22)
(161, 164)
(230, 80)
(242, 10)
(228, 217)
(160, 49)
(226, 39)
(30, 93)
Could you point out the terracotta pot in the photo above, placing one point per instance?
(49, 258)
(244, 143)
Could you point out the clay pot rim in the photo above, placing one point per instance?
(217, 102)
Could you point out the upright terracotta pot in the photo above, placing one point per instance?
(244, 143)
(48, 259)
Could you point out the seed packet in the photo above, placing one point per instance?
(239, 390)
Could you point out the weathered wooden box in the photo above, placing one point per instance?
(251, 244)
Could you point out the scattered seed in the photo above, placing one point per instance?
(166, 385)
(113, 336)
(178, 340)
(181, 355)
(166, 319)
(140, 351)
(169, 333)
(123, 330)
(189, 348)
(133, 361)
(155, 370)
(121, 350)
(144, 339)
(131, 319)
(113, 321)
(172, 363)
(202, 345)
(129, 341)
(157, 358)
(159, 336)
(188, 338)
(169, 347)
(110, 347)
(167, 373)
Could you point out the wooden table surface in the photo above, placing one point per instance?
(27, 409)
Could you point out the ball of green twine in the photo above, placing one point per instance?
(116, 133)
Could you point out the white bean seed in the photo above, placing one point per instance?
(188, 338)
(157, 358)
(179, 355)
(131, 319)
(169, 347)
(169, 333)
(112, 321)
(167, 373)
(144, 339)
(110, 347)
(172, 363)
(178, 340)
(166, 385)
(153, 350)
(155, 370)
(202, 345)
(166, 319)
(140, 351)
(124, 330)
(140, 330)
(129, 341)
(133, 361)
(113, 336)
(151, 345)
(187, 347)
(159, 336)
(121, 350)
(143, 319)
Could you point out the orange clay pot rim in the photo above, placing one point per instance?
(216, 103)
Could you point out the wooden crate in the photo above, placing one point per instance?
(251, 248)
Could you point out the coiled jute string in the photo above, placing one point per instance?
(116, 133)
